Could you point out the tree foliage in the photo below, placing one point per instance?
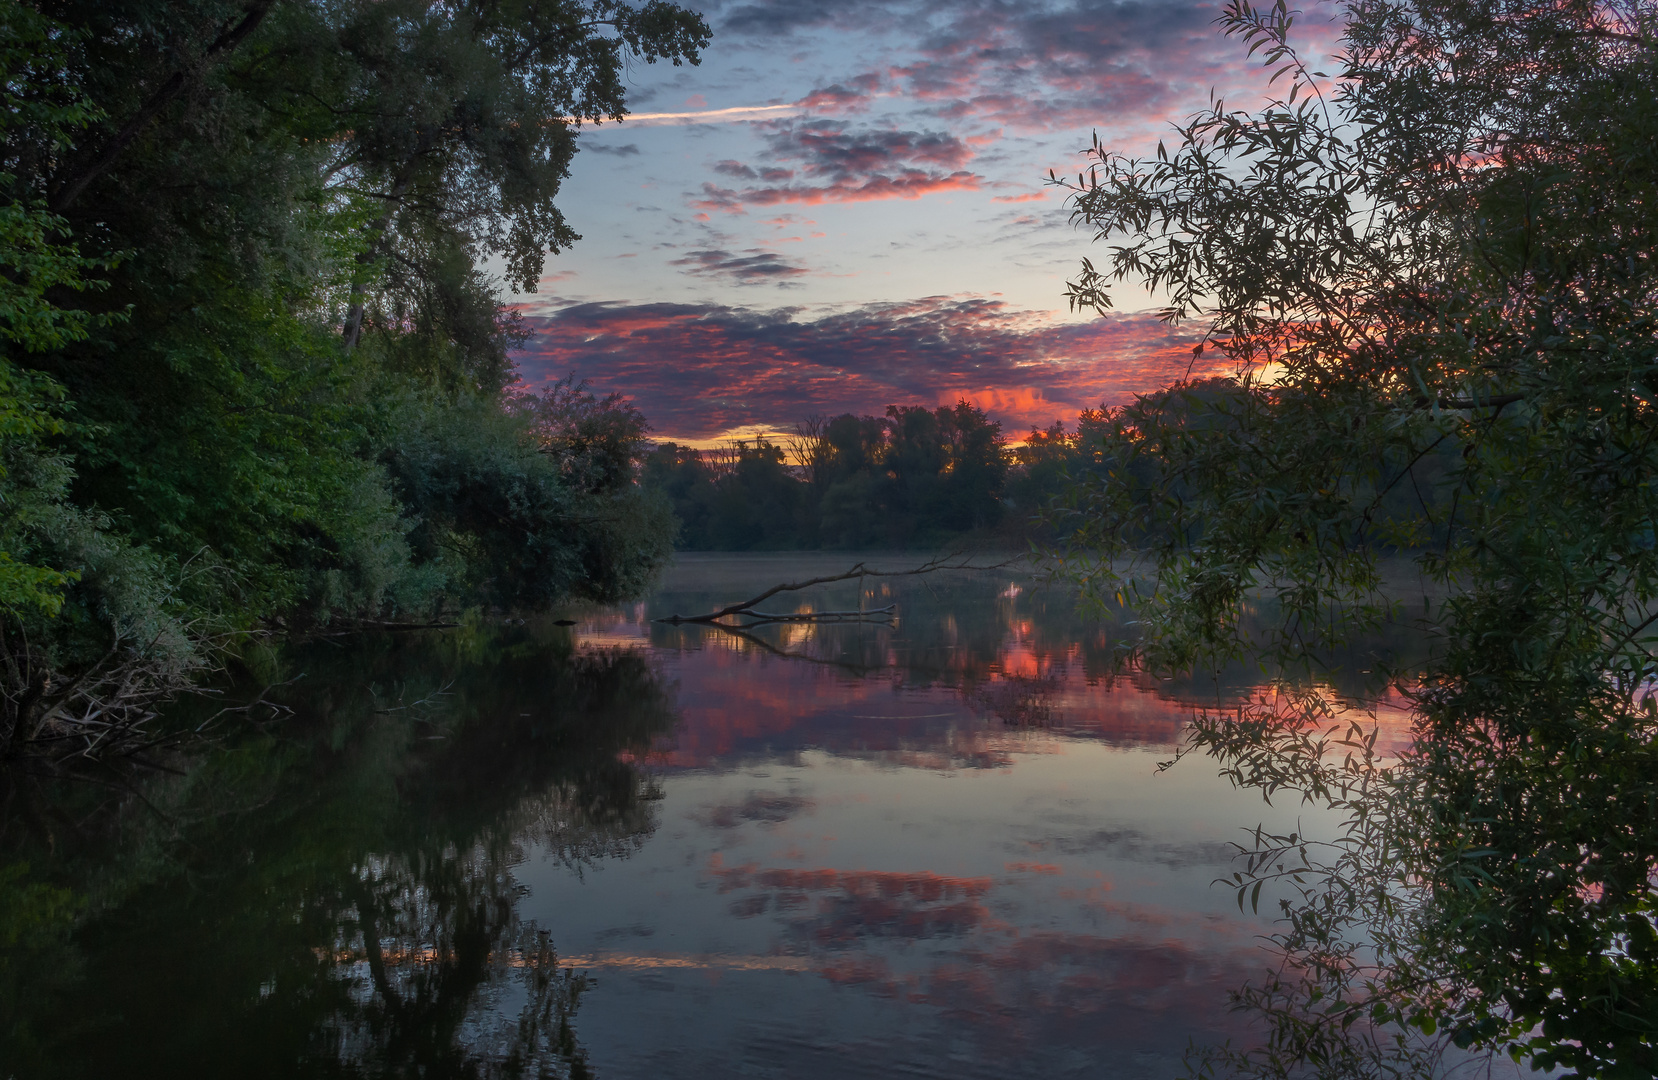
(1435, 270)
(256, 371)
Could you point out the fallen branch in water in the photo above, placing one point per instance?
(748, 608)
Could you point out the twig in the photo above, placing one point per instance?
(816, 616)
(952, 561)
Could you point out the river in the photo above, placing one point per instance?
(626, 849)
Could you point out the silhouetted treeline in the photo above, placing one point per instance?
(916, 477)
(921, 477)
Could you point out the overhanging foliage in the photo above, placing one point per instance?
(1434, 268)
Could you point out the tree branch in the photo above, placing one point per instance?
(953, 561)
(169, 91)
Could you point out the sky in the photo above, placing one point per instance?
(845, 207)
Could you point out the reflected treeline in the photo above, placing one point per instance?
(331, 894)
(1009, 641)
(952, 627)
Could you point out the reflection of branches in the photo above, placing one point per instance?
(429, 699)
(1022, 700)
(741, 633)
(747, 609)
(442, 943)
(578, 829)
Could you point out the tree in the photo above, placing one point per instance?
(976, 466)
(1436, 275)
(33, 263)
(945, 469)
(682, 476)
(757, 503)
(245, 292)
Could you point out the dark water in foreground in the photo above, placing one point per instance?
(625, 849)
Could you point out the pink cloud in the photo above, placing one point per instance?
(910, 184)
(700, 370)
(838, 165)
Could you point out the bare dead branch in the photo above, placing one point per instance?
(953, 561)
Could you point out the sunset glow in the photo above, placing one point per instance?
(844, 207)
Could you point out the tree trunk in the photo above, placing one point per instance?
(353, 328)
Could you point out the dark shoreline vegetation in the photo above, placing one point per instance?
(256, 384)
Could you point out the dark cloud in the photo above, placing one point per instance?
(1025, 65)
(748, 172)
(842, 98)
(909, 184)
(700, 370)
(842, 165)
(1043, 66)
(1003, 32)
(766, 18)
(752, 266)
(1062, 37)
(625, 150)
(828, 149)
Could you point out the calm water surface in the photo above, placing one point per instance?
(626, 849)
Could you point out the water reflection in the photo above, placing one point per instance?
(338, 897)
(941, 845)
(430, 958)
(631, 849)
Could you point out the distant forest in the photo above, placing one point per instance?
(916, 477)
(922, 478)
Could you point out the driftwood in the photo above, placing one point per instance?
(749, 609)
